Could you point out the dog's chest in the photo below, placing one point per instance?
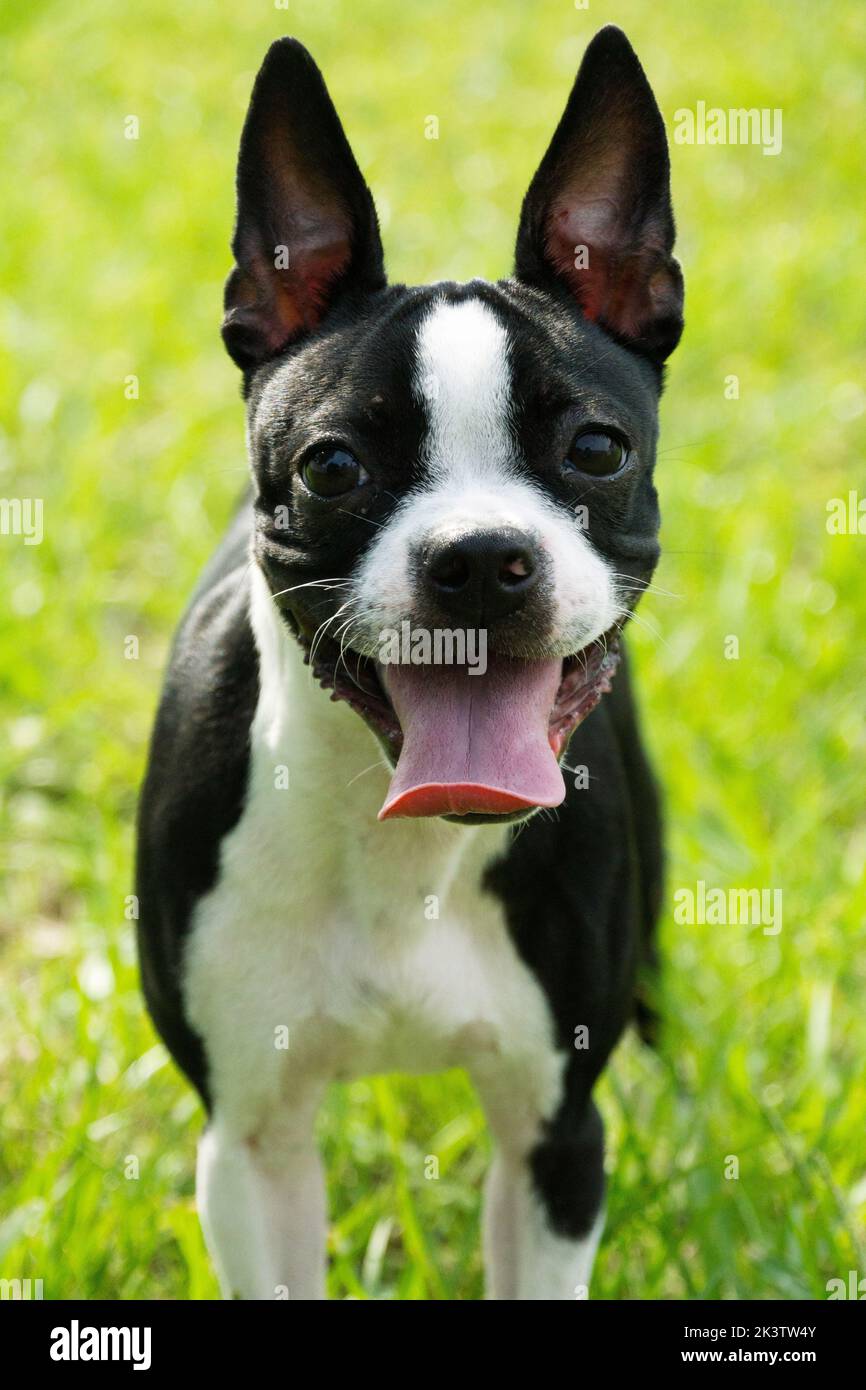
(332, 946)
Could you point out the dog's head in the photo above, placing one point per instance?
(455, 509)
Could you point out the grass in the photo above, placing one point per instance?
(111, 265)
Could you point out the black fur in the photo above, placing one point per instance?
(579, 896)
(196, 783)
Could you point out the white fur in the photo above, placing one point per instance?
(317, 923)
(464, 382)
(262, 1205)
(474, 479)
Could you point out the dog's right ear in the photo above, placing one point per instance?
(306, 228)
(597, 219)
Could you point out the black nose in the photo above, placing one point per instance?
(482, 575)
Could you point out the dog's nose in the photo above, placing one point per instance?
(481, 576)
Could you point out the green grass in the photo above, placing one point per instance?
(111, 264)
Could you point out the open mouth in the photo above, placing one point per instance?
(467, 746)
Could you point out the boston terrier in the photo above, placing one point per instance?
(356, 854)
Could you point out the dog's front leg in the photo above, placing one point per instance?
(525, 1257)
(543, 1201)
(261, 1199)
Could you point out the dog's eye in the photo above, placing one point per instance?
(597, 453)
(332, 471)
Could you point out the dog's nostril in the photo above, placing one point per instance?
(451, 571)
(515, 569)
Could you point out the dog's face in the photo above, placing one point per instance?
(455, 507)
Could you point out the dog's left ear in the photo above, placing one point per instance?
(597, 218)
(306, 228)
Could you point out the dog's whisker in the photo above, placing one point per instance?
(345, 629)
(694, 444)
(369, 520)
(321, 630)
(644, 622)
(335, 583)
(380, 762)
(639, 586)
(244, 572)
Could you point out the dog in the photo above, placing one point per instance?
(442, 864)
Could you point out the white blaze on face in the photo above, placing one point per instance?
(474, 479)
(464, 382)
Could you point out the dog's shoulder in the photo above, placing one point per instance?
(195, 787)
(200, 745)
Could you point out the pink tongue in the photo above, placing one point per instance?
(473, 743)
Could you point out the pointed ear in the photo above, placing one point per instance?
(306, 227)
(597, 218)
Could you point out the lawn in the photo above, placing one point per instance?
(121, 411)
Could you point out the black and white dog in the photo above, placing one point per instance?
(452, 458)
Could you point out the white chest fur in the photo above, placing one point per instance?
(334, 946)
